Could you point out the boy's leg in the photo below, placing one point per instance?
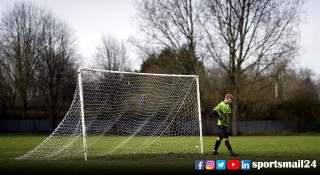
(226, 141)
(216, 146)
(218, 141)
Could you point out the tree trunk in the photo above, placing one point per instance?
(24, 115)
(235, 118)
(235, 113)
(53, 122)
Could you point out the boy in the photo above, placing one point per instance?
(223, 112)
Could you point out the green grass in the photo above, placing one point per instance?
(254, 148)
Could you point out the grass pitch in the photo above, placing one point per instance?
(254, 148)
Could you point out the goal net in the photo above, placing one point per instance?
(127, 113)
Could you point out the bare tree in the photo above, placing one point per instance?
(57, 64)
(247, 37)
(3, 97)
(20, 50)
(37, 57)
(8, 94)
(112, 54)
(170, 24)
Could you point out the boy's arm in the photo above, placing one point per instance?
(216, 113)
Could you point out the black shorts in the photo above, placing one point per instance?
(223, 131)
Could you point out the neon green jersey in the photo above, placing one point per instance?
(224, 112)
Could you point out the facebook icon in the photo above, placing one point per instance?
(245, 164)
(199, 165)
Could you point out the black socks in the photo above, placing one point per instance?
(228, 145)
(216, 146)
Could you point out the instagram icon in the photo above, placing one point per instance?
(210, 165)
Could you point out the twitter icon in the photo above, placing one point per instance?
(220, 164)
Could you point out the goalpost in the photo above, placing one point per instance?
(117, 112)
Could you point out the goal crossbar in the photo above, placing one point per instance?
(136, 73)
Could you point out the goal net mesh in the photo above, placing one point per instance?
(126, 113)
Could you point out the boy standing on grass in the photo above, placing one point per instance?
(223, 112)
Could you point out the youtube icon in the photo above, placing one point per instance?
(233, 164)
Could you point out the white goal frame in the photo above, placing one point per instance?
(156, 110)
(80, 70)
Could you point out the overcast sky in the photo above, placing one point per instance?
(91, 18)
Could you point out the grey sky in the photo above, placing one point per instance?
(90, 18)
(310, 37)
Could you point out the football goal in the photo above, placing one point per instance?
(127, 113)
